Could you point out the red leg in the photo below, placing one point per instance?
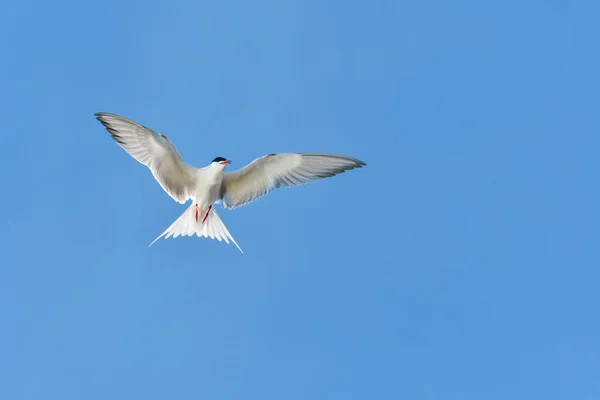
(206, 216)
(196, 211)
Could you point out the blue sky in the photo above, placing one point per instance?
(461, 263)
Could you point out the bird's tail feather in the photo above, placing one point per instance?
(192, 222)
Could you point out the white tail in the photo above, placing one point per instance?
(192, 222)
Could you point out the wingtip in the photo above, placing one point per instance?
(100, 114)
(359, 163)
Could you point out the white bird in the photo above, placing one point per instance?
(209, 185)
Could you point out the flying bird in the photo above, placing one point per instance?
(211, 185)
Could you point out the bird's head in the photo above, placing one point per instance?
(220, 162)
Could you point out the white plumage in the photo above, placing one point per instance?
(208, 185)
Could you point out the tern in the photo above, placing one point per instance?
(212, 185)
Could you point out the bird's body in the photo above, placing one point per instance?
(211, 184)
(208, 186)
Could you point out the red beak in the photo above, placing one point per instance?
(225, 162)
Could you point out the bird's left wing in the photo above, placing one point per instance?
(156, 152)
(280, 170)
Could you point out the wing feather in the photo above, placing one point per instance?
(273, 171)
(155, 151)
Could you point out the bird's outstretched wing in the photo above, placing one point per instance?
(280, 170)
(155, 151)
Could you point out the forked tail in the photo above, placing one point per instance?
(197, 222)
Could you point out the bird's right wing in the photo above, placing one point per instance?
(156, 152)
(280, 170)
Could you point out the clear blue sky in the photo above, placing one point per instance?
(461, 263)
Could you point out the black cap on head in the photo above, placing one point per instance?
(219, 159)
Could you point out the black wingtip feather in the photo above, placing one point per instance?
(113, 132)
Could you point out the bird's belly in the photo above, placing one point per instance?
(208, 196)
